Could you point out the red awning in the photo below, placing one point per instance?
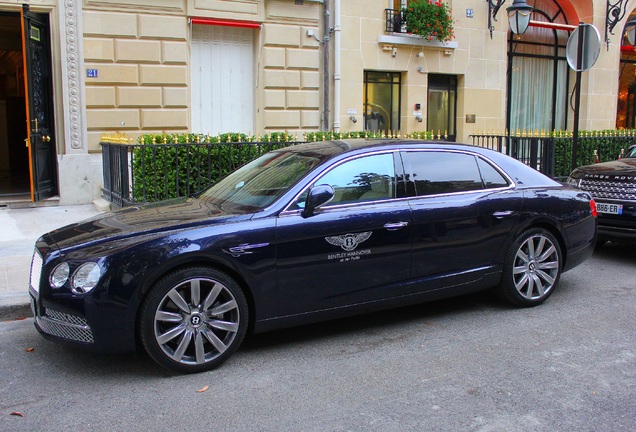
(217, 22)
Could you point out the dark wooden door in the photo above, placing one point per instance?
(40, 124)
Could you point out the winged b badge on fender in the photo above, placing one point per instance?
(349, 242)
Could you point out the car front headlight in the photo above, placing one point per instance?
(59, 275)
(574, 182)
(85, 278)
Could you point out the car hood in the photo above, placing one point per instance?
(140, 220)
(614, 170)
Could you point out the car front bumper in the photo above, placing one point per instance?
(60, 325)
(64, 322)
(616, 233)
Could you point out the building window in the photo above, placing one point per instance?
(222, 79)
(538, 74)
(382, 101)
(441, 105)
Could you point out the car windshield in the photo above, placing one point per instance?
(256, 185)
(632, 152)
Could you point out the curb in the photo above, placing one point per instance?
(11, 312)
(15, 305)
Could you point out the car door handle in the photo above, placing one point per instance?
(394, 226)
(502, 214)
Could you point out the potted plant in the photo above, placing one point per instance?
(429, 20)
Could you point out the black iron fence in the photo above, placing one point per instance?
(395, 21)
(552, 154)
(139, 173)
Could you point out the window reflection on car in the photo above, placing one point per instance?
(363, 179)
(256, 185)
(437, 173)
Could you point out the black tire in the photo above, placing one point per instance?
(532, 268)
(193, 319)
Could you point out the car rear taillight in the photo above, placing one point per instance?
(593, 208)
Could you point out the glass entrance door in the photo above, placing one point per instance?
(442, 105)
(382, 101)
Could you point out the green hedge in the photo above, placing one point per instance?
(170, 166)
(593, 146)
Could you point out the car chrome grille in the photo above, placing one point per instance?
(36, 271)
(35, 314)
(65, 326)
(67, 318)
(610, 189)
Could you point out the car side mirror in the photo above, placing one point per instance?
(317, 196)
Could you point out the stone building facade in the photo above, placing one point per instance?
(259, 66)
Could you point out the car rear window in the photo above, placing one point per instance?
(491, 177)
(442, 172)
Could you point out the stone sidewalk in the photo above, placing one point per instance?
(19, 229)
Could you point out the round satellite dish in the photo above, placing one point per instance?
(590, 47)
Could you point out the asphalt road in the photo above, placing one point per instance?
(469, 364)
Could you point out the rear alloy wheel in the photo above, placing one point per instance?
(193, 319)
(532, 268)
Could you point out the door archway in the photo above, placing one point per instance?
(538, 77)
(28, 156)
(626, 106)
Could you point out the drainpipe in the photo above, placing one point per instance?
(325, 53)
(336, 73)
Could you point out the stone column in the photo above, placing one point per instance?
(80, 174)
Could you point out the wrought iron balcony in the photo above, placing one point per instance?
(395, 26)
(395, 21)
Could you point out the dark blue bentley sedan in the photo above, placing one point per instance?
(307, 233)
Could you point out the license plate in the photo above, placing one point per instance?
(616, 209)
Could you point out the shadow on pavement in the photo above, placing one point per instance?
(621, 252)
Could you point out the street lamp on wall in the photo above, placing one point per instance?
(493, 8)
(614, 12)
(519, 16)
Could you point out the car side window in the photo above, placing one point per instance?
(491, 177)
(438, 172)
(368, 178)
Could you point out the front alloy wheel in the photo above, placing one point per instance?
(193, 319)
(532, 270)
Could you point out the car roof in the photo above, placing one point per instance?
(336, 147)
